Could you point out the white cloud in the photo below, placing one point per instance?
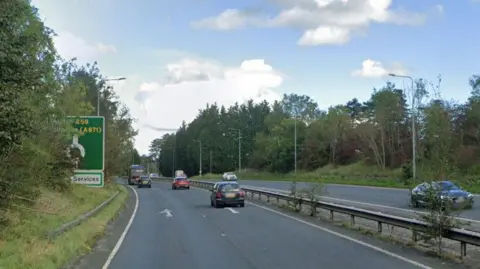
(69, 46)
(325, 35)
(227, 20)
(189, 70)
(323, 21)
(187, 85)
(375, 69)
(440, 9)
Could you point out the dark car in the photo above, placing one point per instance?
(227, 193)
(180, 183)
(145, 181)
(443, 191)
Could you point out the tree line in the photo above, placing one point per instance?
(376, 132)
(38, 90)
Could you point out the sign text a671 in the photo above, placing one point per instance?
(89, 142)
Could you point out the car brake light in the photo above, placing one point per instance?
(218, 195)
(242, 193)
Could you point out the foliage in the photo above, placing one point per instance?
(38, 90)
(375, 133)
(294, 204)
(312, 194)
(439, 217)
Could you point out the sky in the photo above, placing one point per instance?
(179, 55)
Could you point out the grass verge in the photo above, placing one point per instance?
(24, 244)
(311, 177)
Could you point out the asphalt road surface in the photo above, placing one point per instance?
(177, 229)
(381, 199)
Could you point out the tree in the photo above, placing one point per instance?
(38, 90)
(300, 106)
(155, 147)
(374, 132)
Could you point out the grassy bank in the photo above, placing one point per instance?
(23, 244)
(355, 174)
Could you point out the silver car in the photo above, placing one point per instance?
(154, 176)
(229, 176)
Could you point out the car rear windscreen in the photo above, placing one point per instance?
(227, 187)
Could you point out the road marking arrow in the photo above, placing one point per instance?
(167, 212)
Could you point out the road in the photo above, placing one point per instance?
(380, 199)
(195, 235)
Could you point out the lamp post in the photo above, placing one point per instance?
(172, 147)
(200, 149)
(173, 159)
(210, 161)
(98, 92)
(295, 142)
(414, 132)
(239, 148)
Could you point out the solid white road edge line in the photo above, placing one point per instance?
(386, 252)
(346, 237)
(122, 237)
(363, 203)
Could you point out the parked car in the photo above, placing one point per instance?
(229, 176)
(227, 193)
(446, 192)
(180, 183)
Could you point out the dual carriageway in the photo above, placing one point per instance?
(164, 228)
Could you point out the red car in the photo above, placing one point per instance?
(180, 183)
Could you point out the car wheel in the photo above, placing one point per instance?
(216, 204)
(242, 205)
(211, 203)
(188, 188)
(150, 186)
(173, 187)
(139, 186)
(414, 203)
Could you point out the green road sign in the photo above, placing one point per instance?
(88, 145)
(91, 179)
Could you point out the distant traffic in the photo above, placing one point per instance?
(229, 176)
(443, 192)
(226, 192)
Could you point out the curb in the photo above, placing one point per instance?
(69, 225)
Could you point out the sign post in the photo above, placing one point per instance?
(88, 150)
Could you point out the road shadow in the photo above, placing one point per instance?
(202, 206)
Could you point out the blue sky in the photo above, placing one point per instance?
(193, 52)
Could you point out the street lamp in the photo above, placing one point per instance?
(210, 161)
(414, 132)
(239, 148)
(173, 147)
(98, 92)
(200, 149)
(295, 140)
(173, 158)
